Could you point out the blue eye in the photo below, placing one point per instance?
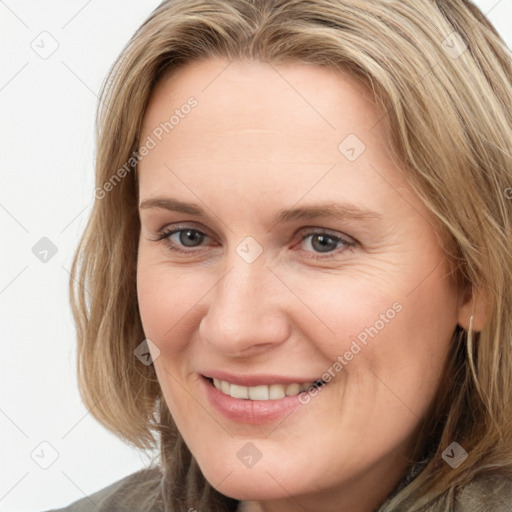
(188, 237)
(325, 243)
(321, 241)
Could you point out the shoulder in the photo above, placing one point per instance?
(138, 491)
(485, 493)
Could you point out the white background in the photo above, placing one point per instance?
(47, 145)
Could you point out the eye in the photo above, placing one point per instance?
(320, 242)
(184, 237)
(323, 242)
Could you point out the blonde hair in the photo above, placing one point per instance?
(449, 110)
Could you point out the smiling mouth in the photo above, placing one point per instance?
(264, 392)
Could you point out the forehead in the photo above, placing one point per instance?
(291, 101)
(268, 126)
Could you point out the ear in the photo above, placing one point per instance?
(473, 301)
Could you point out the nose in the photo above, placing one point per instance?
(246, 313)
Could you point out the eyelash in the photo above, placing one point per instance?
(345, 242)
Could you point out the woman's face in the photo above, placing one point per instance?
(294, 251)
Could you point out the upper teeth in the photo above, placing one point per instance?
(263, 392)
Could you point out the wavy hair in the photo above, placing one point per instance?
(443, 78)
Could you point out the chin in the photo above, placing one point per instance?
(246, 487)
(257, 483)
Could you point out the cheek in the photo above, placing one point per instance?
(405, 358)
(169, 301)
(384, 330)
(335, 310)
(153, 301)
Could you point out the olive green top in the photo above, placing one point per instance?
(484, 494)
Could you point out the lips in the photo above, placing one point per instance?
(255, 399)
(253, 412)
(253, 380)
(261, 392)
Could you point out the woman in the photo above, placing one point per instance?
(296, 277)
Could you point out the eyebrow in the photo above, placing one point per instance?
(329, 210)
